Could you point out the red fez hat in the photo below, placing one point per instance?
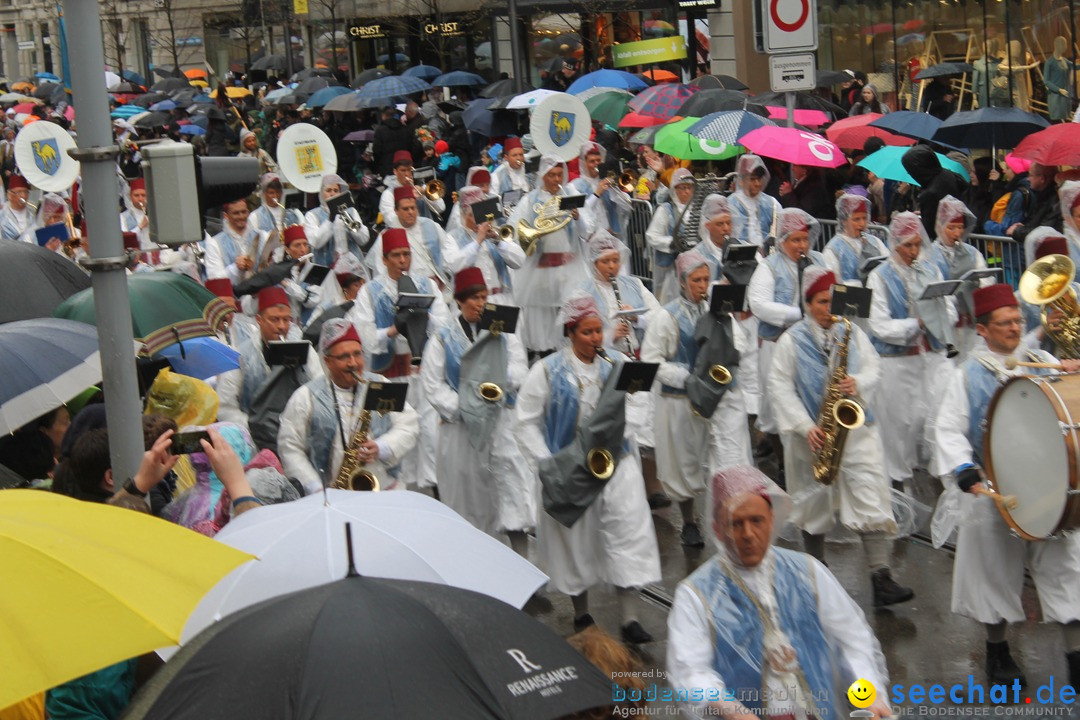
(481, 177)
(294, 233)
(512, 143)
(344, 278)
(131, 241)
(137, 184)
(349, 334)
(17, 181)
(958, 220)
(394, 239)
(468, 281)
(1075, 202)
(1051, 246)
(271, 296)
(222, 287)
(824, 282)
(992, 297)
(402, 157)
(405, 192)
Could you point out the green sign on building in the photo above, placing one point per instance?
(645, 52)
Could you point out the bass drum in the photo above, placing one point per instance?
(1032, 453)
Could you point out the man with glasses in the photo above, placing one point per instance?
(322, 417)
(16, 220)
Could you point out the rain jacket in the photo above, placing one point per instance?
(935, 182)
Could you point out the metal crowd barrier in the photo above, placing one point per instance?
(640, 257)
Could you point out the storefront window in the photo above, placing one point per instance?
(454, 42)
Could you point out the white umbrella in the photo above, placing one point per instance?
(397, 535)
(529, 99)
(112, 79)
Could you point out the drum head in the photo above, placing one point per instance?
(1029, 456)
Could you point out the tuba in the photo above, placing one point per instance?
(549, 219)
(1048, 282)
(352, 475)
(838, 415)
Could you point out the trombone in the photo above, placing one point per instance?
(433, 191)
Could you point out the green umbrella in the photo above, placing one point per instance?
(609, 107)
(674, 140)
(165, 307)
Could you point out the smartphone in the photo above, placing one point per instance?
(188, 442)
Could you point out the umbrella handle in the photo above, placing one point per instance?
(176, 334)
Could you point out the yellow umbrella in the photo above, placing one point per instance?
(197, 82)
(88, 585)
(237, 92)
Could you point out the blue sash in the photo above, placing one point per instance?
(785, 276)
(385, 306)
(687, 349)
(323, 427)
(561, 413)
(811, 364)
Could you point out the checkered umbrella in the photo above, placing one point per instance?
(728, 126)
(661, 101)
(389, 90)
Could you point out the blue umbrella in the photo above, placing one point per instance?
(920, 126)
(727, 126)
(389, 90)
(200, 121)
(607, 78)
(990, 127)
(325, 95)
(398, 58)
(202, 99)
(163, 106)
(134, 77)
(46, 76)
(45, 362)
(126, 111)
(489, 123)
(275, 94)
(201, 357)
(888, 163)
(192, 129)
(458, 78)
(424, 72)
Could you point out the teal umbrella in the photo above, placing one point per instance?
(886, 163)
(674, 140)
(609, 107)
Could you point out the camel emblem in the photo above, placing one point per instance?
(46, 155)
(561, 128)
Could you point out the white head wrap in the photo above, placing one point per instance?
(576, 308)
(794, 220)
(949, 208)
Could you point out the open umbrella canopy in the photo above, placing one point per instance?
(705, 102)
(346, 102)
(715, 82)
(1056, 145)
(810, 118)
(360, 136)
(149, 99)
(44, 280)
(607, 78)
(368, 75)
(13, 97)
(314, 84)
(192, 129)
(151, 120)
(888, 163)
(945, 69)
(127, 88)
(917, 125)
(480, 119)
(675, 140)
(96, 585)
(524, 101)
(659, 76)
(424, 72)
(48, 76)
(728, 126)
(852, 132)
(990, 127)
(645, 136)
(501, 88)
(380, 648)
(389, 90)
(458, 78)
(662, 101)
(201, 357)
(609, 108)
(320, 98)
(637, 120)
(795, 146)
(165, 307)
(828, 78)
(276, 61)
(803, 101)
(163, 106)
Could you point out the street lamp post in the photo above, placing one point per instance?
(515, 46)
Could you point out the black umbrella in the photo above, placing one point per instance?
(944, 69)
(482, 121)
(167, 72)
(722, 82)
(152, 120)
(499, 88)
(709, 101)
(276, 62)
(149, 99)
(369, 75)
(170, 84)
(379, 649)
(828, 78)
(44, 279)
(51, 91)
(313, 84)
(989, 128)
(803, 101)
(306, 73)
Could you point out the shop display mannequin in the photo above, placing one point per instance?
(1017, 62)
(986, 69)
(1058, 76)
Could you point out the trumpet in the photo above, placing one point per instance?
(602, 354)
(720, 375)
(351, 220)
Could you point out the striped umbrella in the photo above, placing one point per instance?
(661, 101)
(389, 90)
(728, 126)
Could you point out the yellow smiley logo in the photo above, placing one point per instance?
(861, 694)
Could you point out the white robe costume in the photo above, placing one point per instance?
(659, 237)
(466, 252)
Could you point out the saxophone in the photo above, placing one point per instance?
(838, 415)
(352, 475)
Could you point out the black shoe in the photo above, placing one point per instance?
(580, 623)
(691, 536)
(634, 634)
(1001, 669)
(887, 591)
(659, 500)
(1073, 659)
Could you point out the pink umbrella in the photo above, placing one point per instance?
(795, 146)
(26, 107)
(69, 113)
(809, 118)
(852, 132)
(637, 120)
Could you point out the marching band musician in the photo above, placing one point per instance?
(911, 356)
(1039, 243)
(661, 234)
(689, 447)
(134, 219)
(555, 267)
(756, 214)
(403, 178)
(607, 207)
(323, 416)
(774, 293)
(479, 245)
(339, 294)
(271, 214)
(613, 541)
(481, 478)
(429, 242)
(253, 395)
(607, 254)
(954, 257)
(478, 176)
(988, 573)
(803, 371)
(303, 297)
(330, 239)
(16, 220)
(375, 314)
(852, 246)
(511, 175)
(235, 251)
(53, 210)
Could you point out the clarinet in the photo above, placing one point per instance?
(618, 302)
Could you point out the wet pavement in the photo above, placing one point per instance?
(922, 640)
